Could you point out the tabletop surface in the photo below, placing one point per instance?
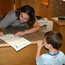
(33, 37)
(57, 21)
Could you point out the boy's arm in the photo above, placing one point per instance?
(39, 46)
(38, 53)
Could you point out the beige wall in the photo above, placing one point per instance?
(54, 8)
(5, 6)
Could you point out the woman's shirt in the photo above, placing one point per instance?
(10, 19)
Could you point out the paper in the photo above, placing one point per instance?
(16, 42)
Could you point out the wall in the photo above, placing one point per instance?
(34, 3)
(44, 9)
(52, 9)
(56, 8)
(5, 6)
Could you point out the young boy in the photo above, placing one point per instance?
(52, 42)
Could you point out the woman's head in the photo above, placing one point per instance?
(27, 13)
(54, 38)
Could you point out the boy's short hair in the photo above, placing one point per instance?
(54, 38)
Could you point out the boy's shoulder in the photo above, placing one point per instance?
(45, 56)
(53, 58)
(60, 54)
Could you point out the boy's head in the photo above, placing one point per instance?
(54, 38)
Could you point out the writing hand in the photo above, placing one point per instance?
(20, 33)
(1, 34)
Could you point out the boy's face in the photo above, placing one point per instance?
(46, 45)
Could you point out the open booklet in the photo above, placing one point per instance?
(16, 42)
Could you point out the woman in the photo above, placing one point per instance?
(20, 17)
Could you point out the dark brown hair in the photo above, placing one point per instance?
(28, 10)
(54, 38)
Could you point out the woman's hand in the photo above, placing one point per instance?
(20, 33)
(1, 34)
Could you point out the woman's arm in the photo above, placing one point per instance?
(35, 28)
(8, 19)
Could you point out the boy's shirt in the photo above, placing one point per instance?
(51, 59)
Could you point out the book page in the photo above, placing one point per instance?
(16, 42)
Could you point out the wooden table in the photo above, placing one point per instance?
(26, 56)
(59, 26)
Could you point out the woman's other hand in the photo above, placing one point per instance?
(20, 33)
(1, 34)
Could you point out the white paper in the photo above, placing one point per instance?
(16, 42)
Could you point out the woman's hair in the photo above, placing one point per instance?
(29, 11)
(54, 38)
